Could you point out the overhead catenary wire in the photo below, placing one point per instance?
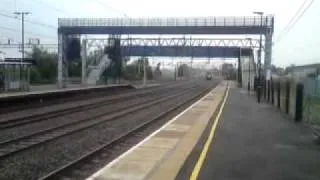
(294, 16)
(110, 7)
(298, 15)
(40, 2)
(51, 7)
(38, 23)
(30, 21)
(28, 32)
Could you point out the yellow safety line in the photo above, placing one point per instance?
(198, 166)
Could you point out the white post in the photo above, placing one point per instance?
(144, 72)
(268, 54)
(84, 62)
(60, 61)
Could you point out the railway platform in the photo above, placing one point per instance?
(50, 89)
(254, 141)
(45, 95)
(224, 135)
(162, 154)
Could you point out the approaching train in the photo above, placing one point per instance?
(208, 76)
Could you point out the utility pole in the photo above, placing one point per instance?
(22, 40)
(259, 58)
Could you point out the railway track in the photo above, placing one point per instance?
(42, 116)
(77, 168)
(17, 103)
(15, 145)
(68, 146)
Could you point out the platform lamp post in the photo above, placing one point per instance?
(259, 58)
(249, 77)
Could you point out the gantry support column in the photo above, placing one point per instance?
(84, 62)
(62, 64)
(239, 78)
(268, 54)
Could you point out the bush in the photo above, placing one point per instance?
(45, 69)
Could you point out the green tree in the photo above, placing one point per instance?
(111, 72)
(277, 70)
(229, 71)
(134, 71)
(289, 69)
(45, 69)
(75, 68)
(183, 70)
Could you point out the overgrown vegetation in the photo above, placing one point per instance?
(44, 70)
(134, 70)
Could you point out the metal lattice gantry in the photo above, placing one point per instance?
(185, 51)
(213, 42)
(117, 27)
(182, 47)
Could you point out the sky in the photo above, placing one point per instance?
(299, 46)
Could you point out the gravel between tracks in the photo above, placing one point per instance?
(74, 117)
(114, 100)
(35, 102)
(38, 161)
(73, 103)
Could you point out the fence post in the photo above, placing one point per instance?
(255, 83)
(287, 96)
(268, 84)
(278, 95)
(272, 91)
(265, 88)
(299, 103)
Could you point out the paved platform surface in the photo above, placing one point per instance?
(256, 142)
(161, 155)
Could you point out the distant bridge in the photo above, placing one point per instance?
(196, 25)
(255, 25)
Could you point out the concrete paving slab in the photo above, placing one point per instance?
(162, 154)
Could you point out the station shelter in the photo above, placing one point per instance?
(14, 75)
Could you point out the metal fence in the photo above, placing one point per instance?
(195, 21)
(298, 98)
(311, 106)
(281, 92)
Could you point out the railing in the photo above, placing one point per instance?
(312, 101)
(300, 99)
(196, 21)
(94, 62)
